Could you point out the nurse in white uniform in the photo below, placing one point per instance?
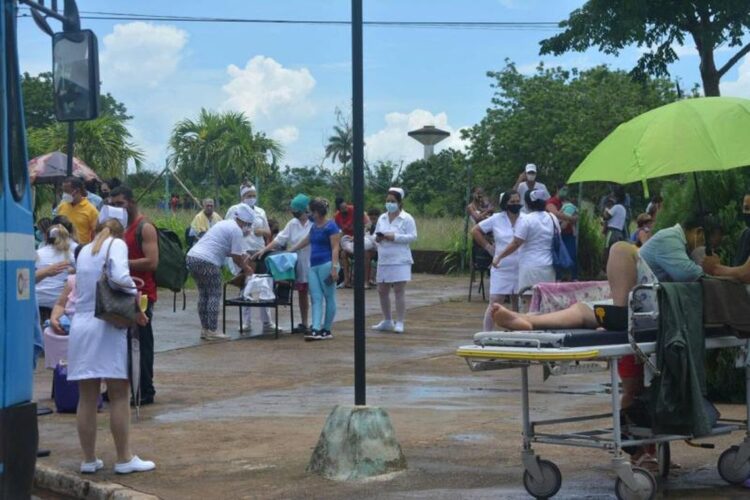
(98, 349)
(394, 232)
(503, 279)
(533, 236)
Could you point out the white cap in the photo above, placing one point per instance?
(397, 190)
(246, 189)
(109, 212)
(539, 194)
(530, 167)
(244, 213)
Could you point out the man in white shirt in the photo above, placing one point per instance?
(254, 241)
(527, 182)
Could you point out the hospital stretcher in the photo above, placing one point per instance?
(579, 351)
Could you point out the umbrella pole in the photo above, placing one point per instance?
(698, 193)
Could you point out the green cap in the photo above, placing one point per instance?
(300, 203)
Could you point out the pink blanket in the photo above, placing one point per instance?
(549, 297)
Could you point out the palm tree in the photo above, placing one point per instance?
(340, 144)
(104, 144)
(222, 146)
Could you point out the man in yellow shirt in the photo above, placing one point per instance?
(205, 219)
(81, 213)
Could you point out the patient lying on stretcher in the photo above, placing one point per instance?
(664, 257)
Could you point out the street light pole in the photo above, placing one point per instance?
(358, 183)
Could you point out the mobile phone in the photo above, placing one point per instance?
(329, 280)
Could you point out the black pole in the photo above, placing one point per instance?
(703, 214)
(71, 145)
(358, 182)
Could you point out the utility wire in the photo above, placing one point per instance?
(477, 25)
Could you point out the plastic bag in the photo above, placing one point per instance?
(259, 288)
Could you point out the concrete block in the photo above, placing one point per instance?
(357, 442)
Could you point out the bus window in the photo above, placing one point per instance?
(18, 172)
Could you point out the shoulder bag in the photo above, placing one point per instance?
(112, 304)
(560, 258)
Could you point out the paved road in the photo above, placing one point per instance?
(240, 419)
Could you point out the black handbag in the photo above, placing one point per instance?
(112, 304)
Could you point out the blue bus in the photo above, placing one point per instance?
(18, 430)
(75, 70)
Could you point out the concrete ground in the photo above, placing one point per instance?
(240, 419)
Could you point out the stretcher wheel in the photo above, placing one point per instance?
(646, 486)
(550, 483)
(729, 473)
(664, 457)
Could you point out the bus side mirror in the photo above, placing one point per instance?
(75, 63)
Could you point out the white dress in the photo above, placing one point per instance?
(535, 260)
(394, 257)
(503, 279)
(97, 349)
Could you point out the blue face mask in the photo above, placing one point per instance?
(391, 206)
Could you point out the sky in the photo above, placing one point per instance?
(289, 79)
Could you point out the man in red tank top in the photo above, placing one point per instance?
(143, 257)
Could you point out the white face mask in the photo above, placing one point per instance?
(67, 197)
(250, 202)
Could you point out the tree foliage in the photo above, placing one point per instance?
(658, 25)
(437, 186)
(221, 148)
(554, 118)
(105, 144)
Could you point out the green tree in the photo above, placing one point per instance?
(612, 25)
(39, 107)
(104, 144)
(437, 186)
(554, 118)
(221, 147)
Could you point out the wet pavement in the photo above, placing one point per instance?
(239, 419)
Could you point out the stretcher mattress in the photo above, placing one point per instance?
(547, 346)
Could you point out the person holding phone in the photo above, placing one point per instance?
(394, 232)
(324, 239)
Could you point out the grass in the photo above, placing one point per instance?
(435, 233)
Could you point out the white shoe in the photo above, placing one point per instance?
(398, 327)
(91, 467)
(135, 465)
(204, 334)
(384, 326)
(211, 335)
(271, 327)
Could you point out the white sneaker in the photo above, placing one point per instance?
(398, 327)
(271, 327)
(384, 326)
(135, 465)
(211, 335)
(91, 467)
(204, 334)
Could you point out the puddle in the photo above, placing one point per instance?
(309, 400)
(471, 438)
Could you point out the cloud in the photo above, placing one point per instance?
(741, 86)
(141, 54)
(285, 135)
(264, 87)
(393, 143)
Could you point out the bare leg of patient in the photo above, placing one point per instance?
(576, 316)
(622, 275)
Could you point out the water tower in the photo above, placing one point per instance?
(429, 135)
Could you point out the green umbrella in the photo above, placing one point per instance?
(692, 135)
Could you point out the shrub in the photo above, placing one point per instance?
(590, 245)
